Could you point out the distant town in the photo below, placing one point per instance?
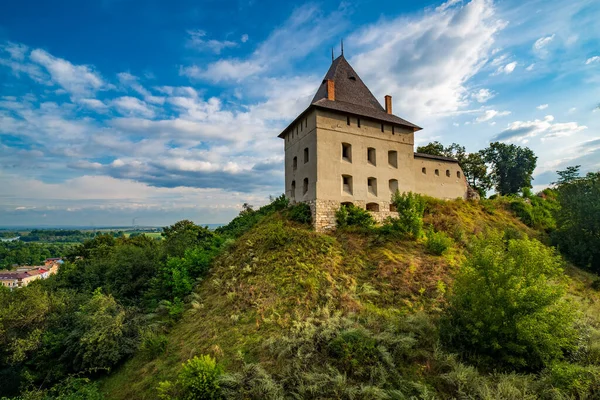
(24, 275)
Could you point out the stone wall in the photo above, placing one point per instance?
(323, 213)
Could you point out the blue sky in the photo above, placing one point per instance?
(164, 110)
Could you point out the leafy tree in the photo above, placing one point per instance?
(508, 308)
(410, 207)
(578, 218)
(198, 379)
(351, 215)
(512, 167)
(104, 333)
(183, 235)
(473, 164)
(568, 175)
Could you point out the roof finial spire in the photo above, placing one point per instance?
(332, 54)
(342, 47)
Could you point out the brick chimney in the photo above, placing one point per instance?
(330, 90)
(388, 104)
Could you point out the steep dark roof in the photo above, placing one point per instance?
(439, 158)
(352, 96)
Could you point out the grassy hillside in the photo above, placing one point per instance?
(281, 281)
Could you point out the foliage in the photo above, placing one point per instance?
(300, 212)
(473, 165)
(437, 243)
(573, 380)
(198, 380)
(506, 310)
(248, 217)
(351, 215)
(512, 166)
(153, 343)
(578, 219)
(409, 224)
(183, 235)
(21, 253)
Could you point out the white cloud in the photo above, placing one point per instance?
(530, 67)
(592, 60)
(197, 41)
(542, 106)
(572, 110)
(489, 114)
(133, 106)
(506, 69)
(540, 45)
(244, 38)
(94, 104)
(483, 95)
(520, 131)
(447, 5)
(78, 80)
(131, 81)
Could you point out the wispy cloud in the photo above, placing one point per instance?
(542, 106)
(197, 40)
(591, 60)
(540, 47)
(546, 128)
(489, 114)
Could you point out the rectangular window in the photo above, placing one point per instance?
(393, 158)
(305, 155)
(382, 129)
(372, 186)
(347, 152)
(305, 186)
(358, 122)
(347, 184)
(348, 120)
(371, 156)
(393, 130)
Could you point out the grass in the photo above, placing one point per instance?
(280, 272)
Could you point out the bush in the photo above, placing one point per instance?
(506, 311)
(153, 344)
(198, 380)
(437, 243)
(573, 380)
(409, 224)
(300, 213)
(249, 217)
(350, 215)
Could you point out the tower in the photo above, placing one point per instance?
(345, 147)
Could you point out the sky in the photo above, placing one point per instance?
(165, 110)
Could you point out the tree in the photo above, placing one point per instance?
(472, 164)
(183, 235)
(512, 167)
(568, 175)
(508, 308)
(578, 218)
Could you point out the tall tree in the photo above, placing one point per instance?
(512, 167)
(472, 164)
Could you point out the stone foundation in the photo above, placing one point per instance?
(323, 213)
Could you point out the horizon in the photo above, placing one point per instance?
(171, 112)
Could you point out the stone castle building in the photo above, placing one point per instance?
(347, 148)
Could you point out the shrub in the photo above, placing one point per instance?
(249, 217)
(300, 212)
(506, 311)
(437, 243)
(153, 344)
(410, 207)
(198, 380)
(573, 380)
(350, 215)
(596, 284)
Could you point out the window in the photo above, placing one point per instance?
(295, 163)
(358, 122)
(347, 184)
(305, 186)
(437, 172)
(373, 207)
(458, 174)
(301, 126)
(393, 186)
(347, 204)
(393, 207)
(393, 158)
(348, 120)
(347, 152)
(293, 194)
(371, 156)
(424, 170)
(306, 123)
(448, 173)
(372, 186)
(305, 155)
(382, 129)
(393, 130)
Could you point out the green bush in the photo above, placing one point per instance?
(153, 344)
(409, 224)
(575, 381)
(437, 243)
(198, 380)
(353, 350)
(249, 217)
(300, 212)
(350, 215)
(507, 309)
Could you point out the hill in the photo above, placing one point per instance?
(341, 315)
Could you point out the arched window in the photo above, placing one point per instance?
(347, 152)
(373, 207)
(347, 184)
(393, 207)
(305, 155)
(393, 158)
(293, 189)
(371, 156)
(295, 163)
(424, 170)
(437, 172)
(393, 186)
(305, 186)
(372, 186)
(458, 174)
(448, 173)
(347, 204)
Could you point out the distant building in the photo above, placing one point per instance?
(345, 148)
(24, 275)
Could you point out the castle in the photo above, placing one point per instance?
(346, 148)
